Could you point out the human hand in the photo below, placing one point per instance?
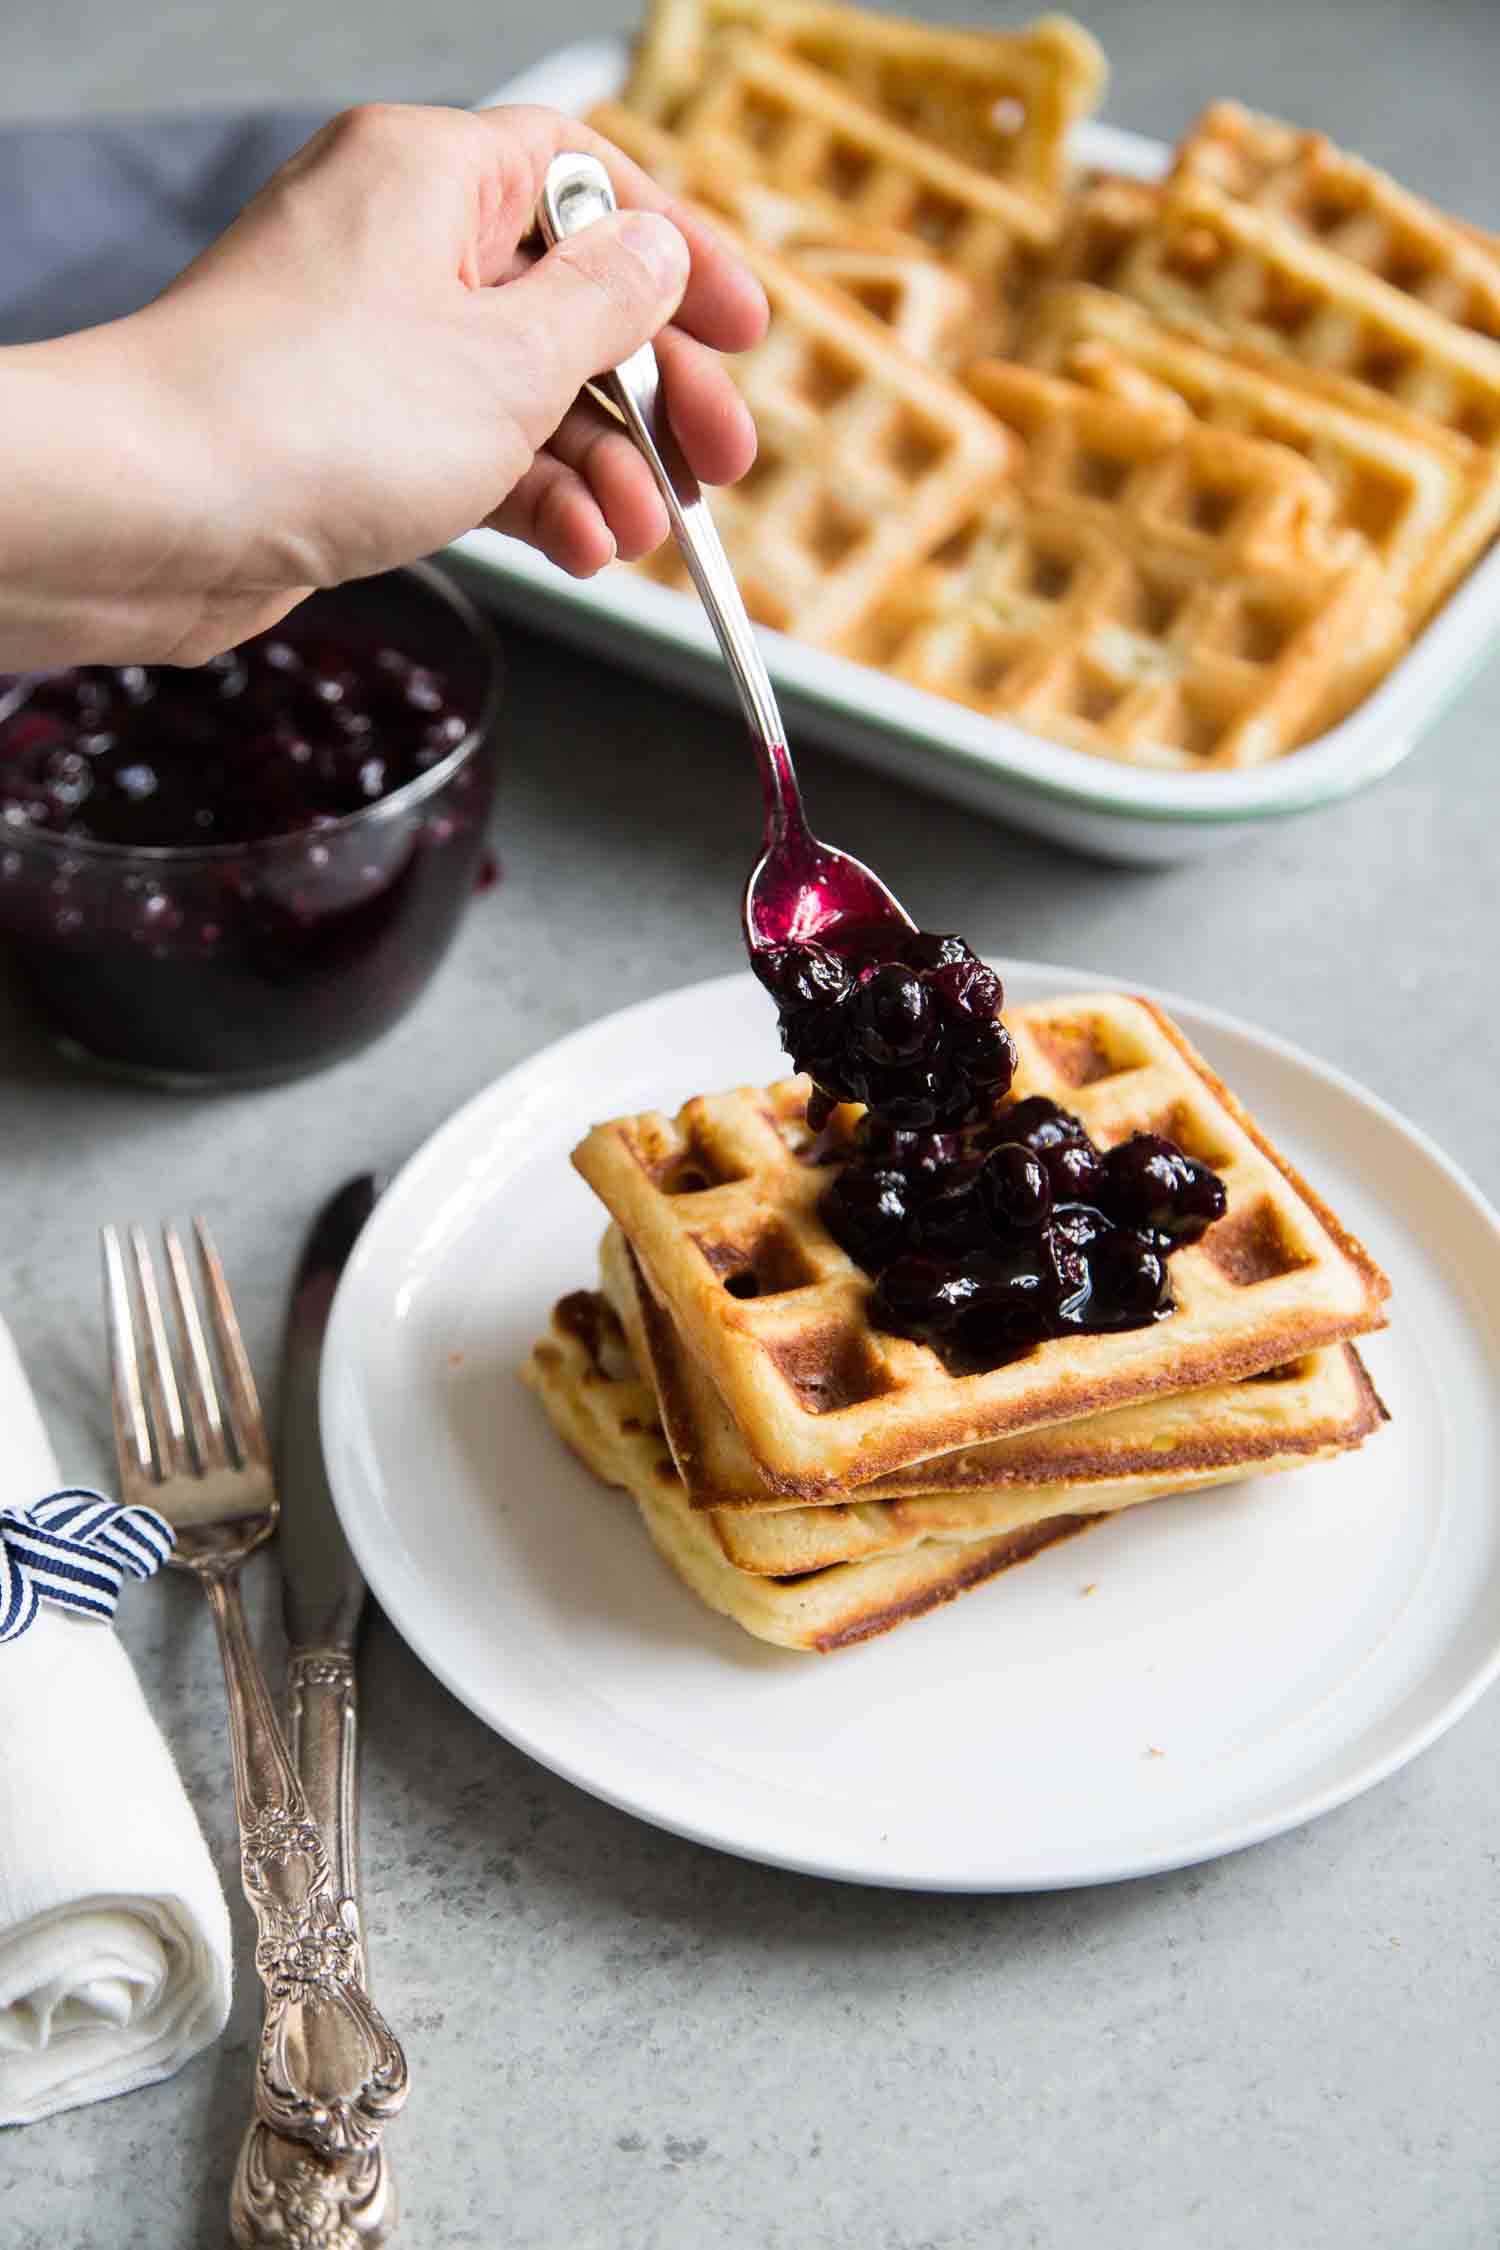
(366, 364)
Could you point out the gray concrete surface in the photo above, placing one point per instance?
(621, 2041)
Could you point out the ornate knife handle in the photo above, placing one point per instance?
(330, 2071)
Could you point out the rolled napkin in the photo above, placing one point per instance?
(114, 1938)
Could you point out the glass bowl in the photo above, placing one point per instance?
(238, 964)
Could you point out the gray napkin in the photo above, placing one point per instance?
(96, 218)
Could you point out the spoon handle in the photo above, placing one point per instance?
(576, 192)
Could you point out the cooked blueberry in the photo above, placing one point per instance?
(867, 1212)
(1149, 1182)
(928, 949)
(1015, 1189)
(895, 1013)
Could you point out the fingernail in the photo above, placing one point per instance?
(658, 245)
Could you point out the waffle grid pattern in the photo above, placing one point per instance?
(796, 132)
(721, 1210)
(1350, 207)
(1002, 102)
(1229, 271)
(1149, 588)
(864, 457)
(1425, 501)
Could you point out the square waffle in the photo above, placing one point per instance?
(1147, 588)
(927, 308)
(1003, 102)
(1319, 1405)
(583, 1375)
(1349, 206)
(763, 117)
(1427, 502)
(720, 1205)
(866, 458)
(1225, 270)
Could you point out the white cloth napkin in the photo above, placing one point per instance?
(114, 1939)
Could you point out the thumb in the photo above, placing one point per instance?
(588, 304)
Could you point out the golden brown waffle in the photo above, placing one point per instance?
(601, 1410)
(865, 460)
(1321, 1404)
(762, 117)
(1426, 501)
(1003, 102)
(1350, 207)
(1224, 270)
(927, 307)
(1148, 589)
(721, 1208)
(761, 212)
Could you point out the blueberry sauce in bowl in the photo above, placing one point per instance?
(988, 1224)
(240, 871)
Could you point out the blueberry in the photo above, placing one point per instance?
(895, 1013)
(1015, 1189)
(1148, 1182)
(927, 949)
(867, 1213)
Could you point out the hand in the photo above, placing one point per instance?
(362, 367)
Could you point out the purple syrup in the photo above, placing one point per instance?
(987, 1224)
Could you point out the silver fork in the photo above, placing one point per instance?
(329, 2070)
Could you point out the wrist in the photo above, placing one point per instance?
(107, 537)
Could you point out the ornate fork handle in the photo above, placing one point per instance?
(330, 2071)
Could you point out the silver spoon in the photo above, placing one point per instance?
(799, 887)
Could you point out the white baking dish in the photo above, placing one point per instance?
(1091, 803)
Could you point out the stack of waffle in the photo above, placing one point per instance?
(1268, 441)
(820, 1481)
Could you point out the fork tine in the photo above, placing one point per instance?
(162, 1396)
(201, 1391)
(243, 1406)
(128, 1405)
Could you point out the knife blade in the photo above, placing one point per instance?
(322, 1587)
(323, 1600)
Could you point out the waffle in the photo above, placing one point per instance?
(763, 117)
(1001, 101)
(928, 308)
(1320, 1405)
(1148, 589)
(600, 1408)
(1349, 206)
(720, 1206)
(1427, 502)
(1224, 270)
(865, 459)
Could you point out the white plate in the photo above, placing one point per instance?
(1094, 804)
(1282, 1644)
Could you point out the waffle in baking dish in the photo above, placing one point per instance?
(1351, 207)
(1000, 101)
(764, 118)
(865, 458)
(1146, 587)
(720, 1205)
(1320, 1404)
(1232, 272)
(1426, 501)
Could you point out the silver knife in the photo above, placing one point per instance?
(280, 2186)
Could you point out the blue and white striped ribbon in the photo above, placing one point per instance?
(74, 1548)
